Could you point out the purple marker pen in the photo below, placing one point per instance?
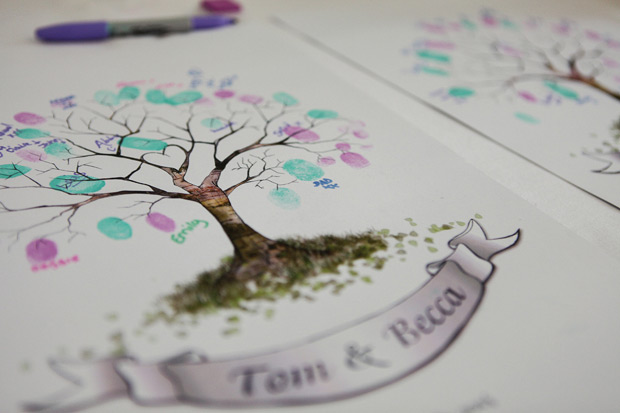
(99, 30)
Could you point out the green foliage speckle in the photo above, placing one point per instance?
(432, 249)
(118, 344)
(233, 319)
(87, 354)
(367, 279)
(25, 366)
(434, 228)
(111, 317)
(428, 240)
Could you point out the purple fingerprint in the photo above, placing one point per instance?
(28, 118)
(31, 154)
(253, 99)
(326, 161)
(41, 250)
(354, 160)
(301, 134)
(161, 222)
(343, 146)
(224, 93)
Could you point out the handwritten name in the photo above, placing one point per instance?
(64, 102)
(54, 264)
(15, 148)
(107, 143)
(198, 79)
(7, 130)
(325, 183)
(179, 237)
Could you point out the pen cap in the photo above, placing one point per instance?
(94, 30)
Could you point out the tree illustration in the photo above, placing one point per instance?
(532, 60)
(146, 147)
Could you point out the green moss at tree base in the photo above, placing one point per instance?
(298, 262)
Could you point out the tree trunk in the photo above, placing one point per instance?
(254, 253)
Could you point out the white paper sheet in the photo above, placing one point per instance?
(540, 79)
(78, 289)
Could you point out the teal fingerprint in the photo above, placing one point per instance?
(129, 93)
(156, 96)
(212, 123)
(8, 171)
(77, 184)
(468, 24)
(58, 149)
(105, 97)
(460, 92)
(526, 118)
(31, 133)
(509, 24)
(285, 99)
(303, 170)
(115, 228)
(434, 71)
(322, 114)
(284, 198)
(429, 54)
(143, 144)
(188, 96)
(564, 91)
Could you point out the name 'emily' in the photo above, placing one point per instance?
(179, 237)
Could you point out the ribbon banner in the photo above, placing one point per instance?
(351, 360)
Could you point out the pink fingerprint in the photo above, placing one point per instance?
(360, 133)
(31, 154)
(562, 28)
(326, 161)
(610, 62)
(354, 160)
(41, 250)
(528, 96)
(433, 28)
(510, 50)
(160, 222)
(301, 134)
(489, 21)
(343, 146)
(224, 94)
(439, 44)
(591, 34)
(28, 118)
(613, 43)
(253, 99)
